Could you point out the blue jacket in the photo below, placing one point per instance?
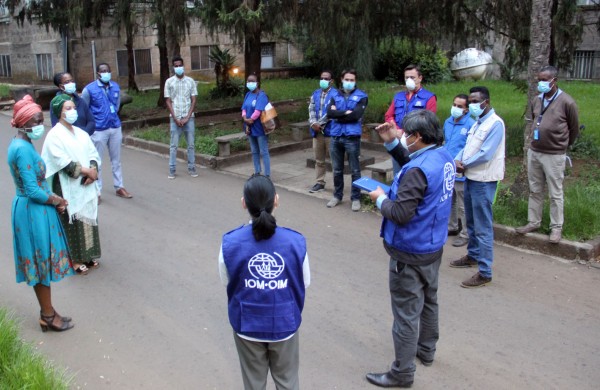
(253, 101)
(455, 135)
(402, 107)
(427, 231)
(104, 104)
(85, 120)
(266, 282)
(322, 110)
(349, 103)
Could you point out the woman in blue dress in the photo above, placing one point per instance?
(254, 104)
(40, 248)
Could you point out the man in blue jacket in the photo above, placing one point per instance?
(346, 110)
(85, 121)
(456, 129)
(103, 96)
(415, 217)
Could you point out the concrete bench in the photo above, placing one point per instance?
(225, 140)
(373, 134)
(382, 172)
(300, 131)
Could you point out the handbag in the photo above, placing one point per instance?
(269, 119)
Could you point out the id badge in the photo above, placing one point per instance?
(112, 110)
(536, 134)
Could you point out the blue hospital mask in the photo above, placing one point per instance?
(71, 116)
(36, 132)
(70, 88)
(324, 84)
(349, 85)
(544, 86)
(178, 70)
(105, 77)
(456, 112)
(251, 85)
(476, 110)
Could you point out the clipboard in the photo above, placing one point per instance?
(370, 185)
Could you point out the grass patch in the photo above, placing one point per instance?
(20, 366)
(4, 92)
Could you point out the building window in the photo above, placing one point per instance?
(200, 57)
(583, 65)
(142, 60)
(45, 68)
(5, 70)
(267, 55)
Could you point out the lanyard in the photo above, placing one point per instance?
(539, 121)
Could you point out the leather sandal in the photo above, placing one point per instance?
(92, 264)
(82, 269)
(47, 322)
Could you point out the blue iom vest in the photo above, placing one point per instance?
(427, 231)
(349, 103)
(402, 106)
(266, 282)
(103, 105)
(321, 110)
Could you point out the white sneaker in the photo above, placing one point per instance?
(171, 175)
(356, 205)
(333, 202)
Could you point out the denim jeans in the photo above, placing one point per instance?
(260, 147)
(111, 137)
(479, 197)
(337, 147)
(189, 129)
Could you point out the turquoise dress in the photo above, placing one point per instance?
(40, 246)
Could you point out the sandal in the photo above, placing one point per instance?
(92, 264)
(82, 269)
(47, 322)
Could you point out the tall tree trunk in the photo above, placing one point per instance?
(540, 32)
(131, 84)
(162, 55)
(252, 46)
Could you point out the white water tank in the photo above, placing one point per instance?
(471, 64)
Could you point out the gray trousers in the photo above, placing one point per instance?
(413, 289)
(282, 357)
(321, 149)
(546, 169)
(458, 209)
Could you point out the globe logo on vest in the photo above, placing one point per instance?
(448, 176)
(265, 266)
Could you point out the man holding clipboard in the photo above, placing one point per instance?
(415, 219)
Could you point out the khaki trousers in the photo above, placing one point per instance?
(321, 149)
(546, 169)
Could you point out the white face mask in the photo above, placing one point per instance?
(456, 112)
(410, 84)
(71, 116)
(403, 142)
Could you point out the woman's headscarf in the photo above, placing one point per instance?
(57, 103)
(23, 111)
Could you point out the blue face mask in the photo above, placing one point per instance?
(476, 110)
(71, 116)
(456, 112)
(36, 132)
(70, 88)
(349, 85)
(324, 84)
(105, 77)
(544, 86)
(178, 70)
(251, 85)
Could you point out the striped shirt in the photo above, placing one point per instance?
(180, 91)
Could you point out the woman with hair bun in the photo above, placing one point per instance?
(265, 268)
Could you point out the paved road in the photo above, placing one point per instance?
(153, 316)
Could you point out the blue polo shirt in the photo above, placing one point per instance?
(455, 135)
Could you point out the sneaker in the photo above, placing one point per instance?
(555, 236)
(171, 175)
(476, 280)
(530, 227)
(464, 262)
(425, 362)
(333, 202)
(356, 205)
(193, 172)
(460, 241)
(317, 188)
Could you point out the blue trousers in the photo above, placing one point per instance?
(479, 197)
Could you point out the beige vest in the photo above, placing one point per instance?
(492, 170)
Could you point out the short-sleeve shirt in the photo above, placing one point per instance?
(180, 91)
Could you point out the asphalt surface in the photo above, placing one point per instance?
(154, 316)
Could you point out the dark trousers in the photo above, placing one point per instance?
(413, 290)
(337, 148)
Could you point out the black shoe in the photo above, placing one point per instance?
(453, 232)
(387, 379)
(425, 362)
(317, 188)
